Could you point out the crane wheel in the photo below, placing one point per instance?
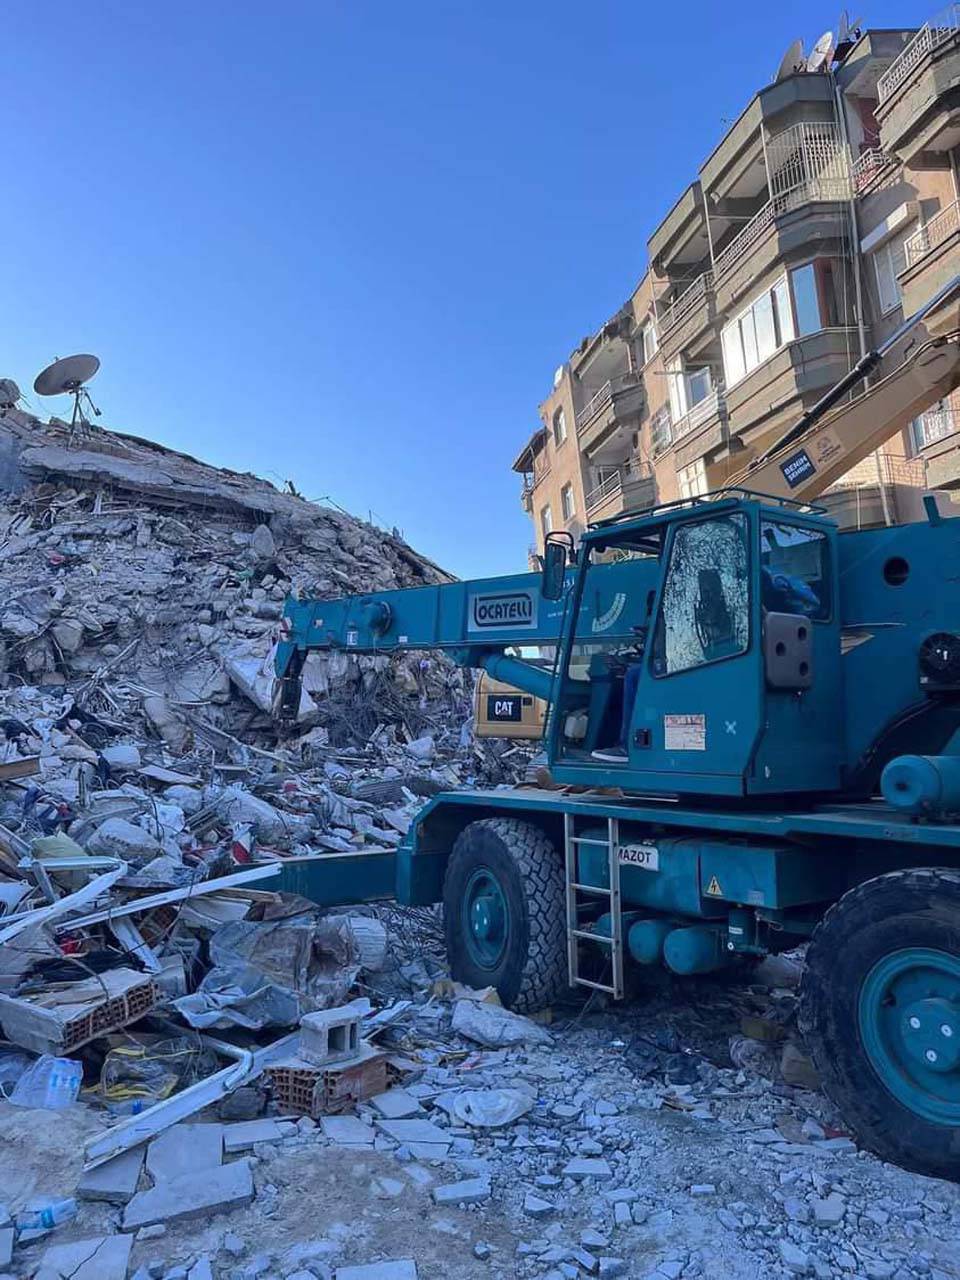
(504, 912)
(880, 1013)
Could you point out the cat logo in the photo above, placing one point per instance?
(713, 888)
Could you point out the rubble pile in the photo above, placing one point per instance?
(203, 1075)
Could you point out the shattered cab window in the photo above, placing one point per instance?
(705, 613)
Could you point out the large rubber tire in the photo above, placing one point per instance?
(524, 867)
(883, 923)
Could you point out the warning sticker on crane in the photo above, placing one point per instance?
(713, 888)
(685, 732)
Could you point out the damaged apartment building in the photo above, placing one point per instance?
(826, 214)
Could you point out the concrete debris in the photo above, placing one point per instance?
(206, 1191)
(116, 1181)
(185, 1149)
(676, 1139)
(104, 1258)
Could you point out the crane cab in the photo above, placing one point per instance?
(713, 643)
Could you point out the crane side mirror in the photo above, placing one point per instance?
(554, 568)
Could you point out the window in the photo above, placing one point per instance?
(692, 480)
(776, 318)
(936, 423)
(888, 261)
(705, 613)
(650, 343)
(805, 299)
(677, 389)
(546, 520)
(783, 311)
(794, 575)
(756, 333)
(567, 502)
(699, 385)
(559, 427)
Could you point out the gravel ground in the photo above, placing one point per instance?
(697, 1169)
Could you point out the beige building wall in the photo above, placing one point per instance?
(847, 213)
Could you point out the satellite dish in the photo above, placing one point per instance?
(9, 394)
(64, 377)
(791, 62)
(822, 53)
(67, 377)
(848, 33)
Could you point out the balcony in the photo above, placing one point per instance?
(701, 429)
(870, 169)
(771, 397)
(935, 432)
(932, 259)
(688, 317)
(603, 421)
(879, 486)
(811, 185)
(630, 489)
(919, 94)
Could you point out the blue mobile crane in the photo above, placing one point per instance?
(754, 742)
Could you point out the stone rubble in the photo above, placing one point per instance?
(678, 1138)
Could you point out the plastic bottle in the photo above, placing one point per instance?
(51, 1082)
(44, 1215)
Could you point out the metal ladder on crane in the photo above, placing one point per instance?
(576, 892)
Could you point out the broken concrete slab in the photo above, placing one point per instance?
(407, 1131)
(116, 1181)
(396, 1104)
(242, 1136)
(348, 1131)
(398, 1269)
(587, 1167)
(184, 1149)
(99, 1258)
(470, 1191)
(195, 1195)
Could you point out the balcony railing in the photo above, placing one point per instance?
(614, 485)
(712, 403)
(930, 35)
(868, 165)
(831, 188)
(687, 302)
(600, 399)
(661, 431)
(934, 233)
(935, 425)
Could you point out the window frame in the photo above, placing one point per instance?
(558, 427)
(743, 518)
(565, 491)
(827, 562)
(546, 519)
(885, 253)
(649, 327)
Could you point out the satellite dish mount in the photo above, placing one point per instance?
(68, 377)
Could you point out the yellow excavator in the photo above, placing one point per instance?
(922, 366)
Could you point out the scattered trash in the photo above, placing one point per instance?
(51, 1082)
(496, 1027)
(486, 1108)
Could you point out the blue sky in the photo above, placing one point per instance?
(348, 243)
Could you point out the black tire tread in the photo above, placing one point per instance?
(540, 866)
(878, 1127)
